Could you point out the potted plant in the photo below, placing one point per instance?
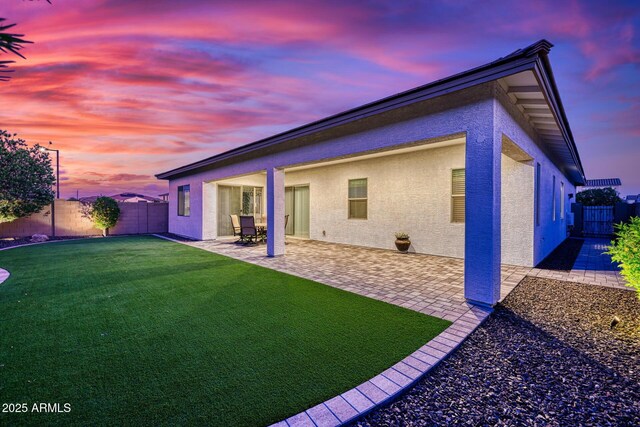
(402, 241)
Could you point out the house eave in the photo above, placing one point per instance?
(532, 58)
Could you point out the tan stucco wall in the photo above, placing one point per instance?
(517, 212)
(407, 192)
(135, 218)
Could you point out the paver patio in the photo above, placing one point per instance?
(592, 267)
(429, 284)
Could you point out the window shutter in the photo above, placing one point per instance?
(457, 195)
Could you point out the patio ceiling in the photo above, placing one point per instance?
(420, 145)
(531, 98)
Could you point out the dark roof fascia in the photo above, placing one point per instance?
(553, 96)
(520, 60)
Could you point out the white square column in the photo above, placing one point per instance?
(275, 212)
(482, 253)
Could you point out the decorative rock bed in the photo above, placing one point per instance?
(547, 356)
(19, 241)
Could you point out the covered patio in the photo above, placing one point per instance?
(479, 167)
(429, 284)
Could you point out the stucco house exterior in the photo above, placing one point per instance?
(480, 165)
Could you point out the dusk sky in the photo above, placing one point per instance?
(127, 89)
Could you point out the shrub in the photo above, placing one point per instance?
(625, 250)
(104, 213)
(598, 197)
(25, 178)
(401, 235)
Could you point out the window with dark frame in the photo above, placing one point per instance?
(562, 206)
(184, 200)
(358, 198)
(457, 195)
(537, 194)
(553, 199)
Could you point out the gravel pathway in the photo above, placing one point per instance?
(546, 357)
(564, 256)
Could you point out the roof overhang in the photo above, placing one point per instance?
(532, 58)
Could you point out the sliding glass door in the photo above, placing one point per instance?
(296, 205)
(237, 200)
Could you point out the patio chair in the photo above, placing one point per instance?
(248, 230)
(235, 224)
(286, 221)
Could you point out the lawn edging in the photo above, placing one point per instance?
(393, 382)
(389, 384)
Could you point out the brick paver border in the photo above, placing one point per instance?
(386, 386)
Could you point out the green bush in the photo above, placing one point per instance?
(105, 213)
(26, 178)
(625, 249)
(598, 197)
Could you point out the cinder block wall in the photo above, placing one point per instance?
(135, 218)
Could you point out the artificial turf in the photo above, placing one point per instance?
(139, 330)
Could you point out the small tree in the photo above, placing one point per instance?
(26, 178)
(104, 213)
(598, 197)
(625, 250)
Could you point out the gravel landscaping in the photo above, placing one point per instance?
(548, 356)
(176, 237)
(19, 241)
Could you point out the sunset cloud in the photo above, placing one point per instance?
(128, 89)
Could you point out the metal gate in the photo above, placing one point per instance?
(598, 220)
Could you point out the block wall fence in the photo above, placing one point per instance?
(135, 218)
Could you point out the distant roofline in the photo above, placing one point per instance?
(603, 182)
(517, 61)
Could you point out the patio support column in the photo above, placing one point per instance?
(275, 212)
(482, 214)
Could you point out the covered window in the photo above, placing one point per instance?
(537, 194)
(553, 199)
(358, 198)
(562, 200)
(457, 195)
(184, 201)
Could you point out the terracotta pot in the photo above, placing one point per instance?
(403, 244)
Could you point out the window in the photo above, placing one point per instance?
(358, 198)
(184, 200)
(457, 195)
(562, 200)
(537, 191)
(553, 199)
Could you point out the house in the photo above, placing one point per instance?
(631, 199)
(125, 198)
(447, 162)
(591, 184)
(135, 198)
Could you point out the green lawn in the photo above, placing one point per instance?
(140, 330)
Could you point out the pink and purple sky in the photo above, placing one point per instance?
(126, 89)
